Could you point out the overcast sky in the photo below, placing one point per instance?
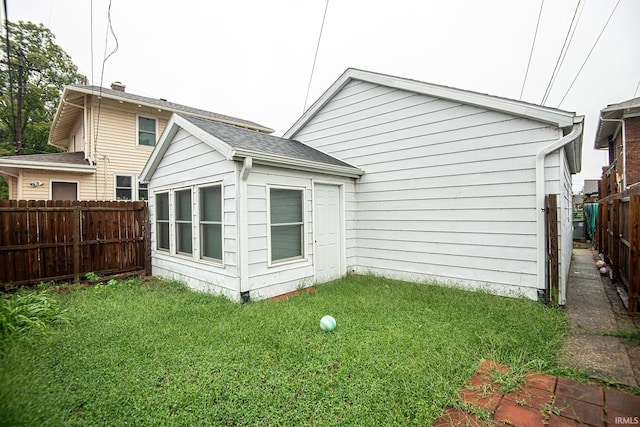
(253, 58)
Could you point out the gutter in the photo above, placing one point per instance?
(25, 164)
(575, 133)
(294, 163)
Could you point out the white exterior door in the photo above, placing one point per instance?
(328, 222)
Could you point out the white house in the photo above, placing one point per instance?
(405, 179)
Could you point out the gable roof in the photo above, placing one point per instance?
(69, 162)
(65, 116)
(614, 112)
(237, 144)
(562, 119)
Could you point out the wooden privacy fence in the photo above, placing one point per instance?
(552, 278)
(45, 240)
(618, 238)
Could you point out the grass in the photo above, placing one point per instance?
(162, 355)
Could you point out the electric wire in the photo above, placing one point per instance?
(589, 54)
(315, 57)
(533, 44)
(563, 52)
(105, 58)
(636, 92)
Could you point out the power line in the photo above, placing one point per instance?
(535, 35)
(563, 52)
(589, 55)
(313, 67)
(637, 86)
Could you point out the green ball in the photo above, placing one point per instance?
(327, 323)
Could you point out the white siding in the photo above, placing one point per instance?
(565, 227)
(188, 163)
(267, 280)
(449, 189)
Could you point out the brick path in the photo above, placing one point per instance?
(538, 400)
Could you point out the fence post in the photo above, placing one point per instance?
(634, 253)
(76, 244)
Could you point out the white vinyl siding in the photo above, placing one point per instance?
(189, 162)
(448, 192)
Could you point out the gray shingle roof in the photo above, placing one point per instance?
(76, 158)
(250, 140)
(172, 106)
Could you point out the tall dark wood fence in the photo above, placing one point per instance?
(618, 238)
(60, 240)
(552, 249)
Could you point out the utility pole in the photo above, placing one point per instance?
(20, 97)
(13, 115)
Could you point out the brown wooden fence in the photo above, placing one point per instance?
(62, 240)
(552, 249)
(618, 238)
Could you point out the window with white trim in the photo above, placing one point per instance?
(124, 187)
(211, 239)
(143, 191)
(183, 222)
(286, 223)
(146, 131)
(162, 221)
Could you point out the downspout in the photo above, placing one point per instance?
(624, 149)
(540, 194)
(243, 228)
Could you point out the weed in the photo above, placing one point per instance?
(28, 310)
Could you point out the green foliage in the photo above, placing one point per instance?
(28, 310)
(155, 354)
(47, 69)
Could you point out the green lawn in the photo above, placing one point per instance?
(141, 354)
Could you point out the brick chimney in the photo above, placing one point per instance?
(118, 86)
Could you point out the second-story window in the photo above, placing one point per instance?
(146, 131)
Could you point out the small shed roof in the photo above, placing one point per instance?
(615, 112)
(70, 162)
(237, 143)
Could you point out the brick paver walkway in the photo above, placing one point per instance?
(539, 400)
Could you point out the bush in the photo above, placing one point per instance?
(28, 310)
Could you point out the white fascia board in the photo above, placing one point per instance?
(540, 113)
(65, 167)
(297, 164)
(171, 129)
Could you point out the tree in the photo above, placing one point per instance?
(45, 69)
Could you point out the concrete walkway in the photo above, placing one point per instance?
(595, 314)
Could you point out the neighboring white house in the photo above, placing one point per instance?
(418, 181)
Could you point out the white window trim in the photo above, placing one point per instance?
(138, 116)
(135, 186)
(168, 220)
(198, 252)
(294, 260)
(51, 181)
(173, 224)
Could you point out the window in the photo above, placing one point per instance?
(143, 191)
(64, 190)
(146, 131)
(184, 235)
(211, 222)
(124, 187)
(162, 221)
(286, 220)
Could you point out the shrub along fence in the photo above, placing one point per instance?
(618, 238)
(47, 240)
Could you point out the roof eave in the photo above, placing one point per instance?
(173, 110)
(64, 167)
(540, 113)
(297, 164)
